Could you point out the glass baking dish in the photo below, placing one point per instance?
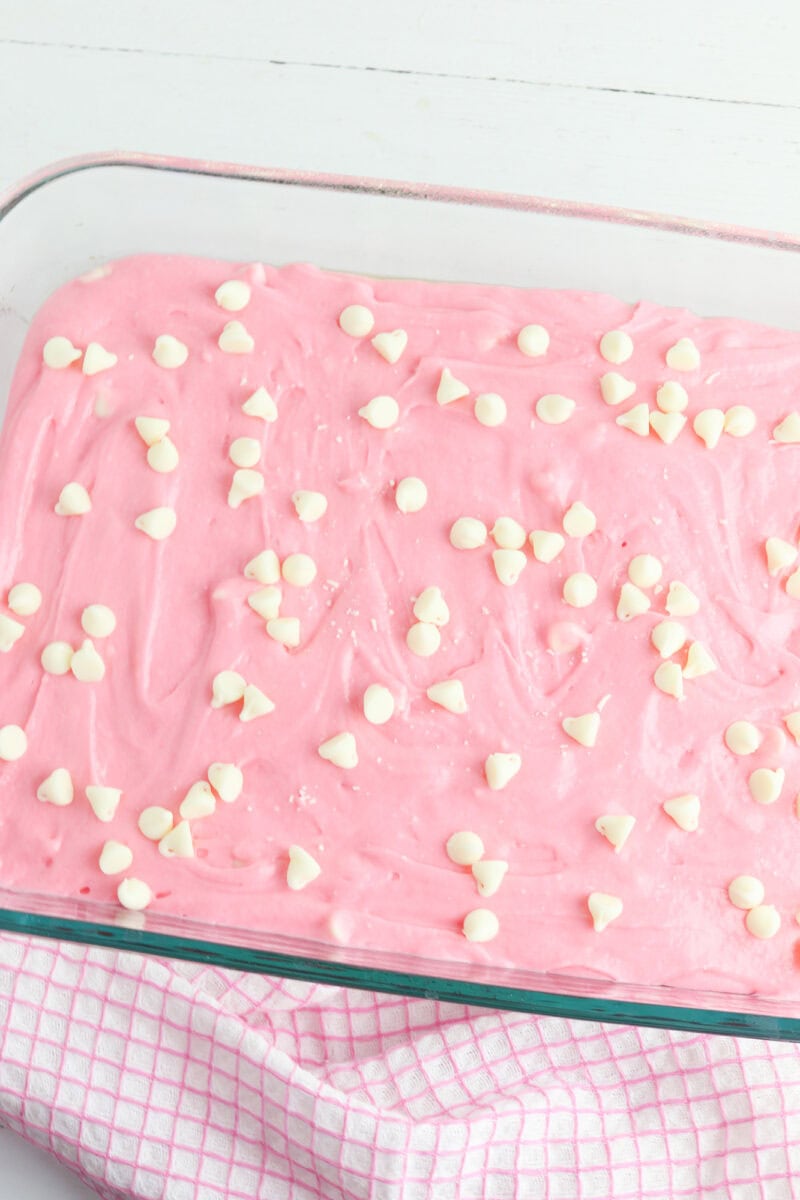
(80, 213)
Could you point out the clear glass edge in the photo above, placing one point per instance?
(323, 963)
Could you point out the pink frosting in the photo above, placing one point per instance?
(379, 831)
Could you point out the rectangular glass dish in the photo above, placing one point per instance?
(80, 214)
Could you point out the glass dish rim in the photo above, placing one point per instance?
(326, 967)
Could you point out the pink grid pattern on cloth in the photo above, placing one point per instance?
(167, 1080)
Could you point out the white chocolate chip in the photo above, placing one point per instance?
(96, 359)
(740, 421)
(261, 405)
(603, 909)
(233, 295)
(766, 785)
(178, 842)
(235, 339)
(616, 346)
(448, 694)
(709, 425)
(554, 409)
(698, 662)
(579, 521)
(87, 665)
(793, 585)
(134, 894)
(151, 429)
(168, 352)
(667, 425)
(615, 388)
(227, 688)
(480, 925)
(490, 409)
(509, 565)
(792, 723)
(391, 345)
(681, 600)
(382, 412)
(266, 602)
(450, 388)
(246, 484)
(59, 352)
(489, 874)
(742, 737)
(24, 599)
(668, 637)
(423, 639)
(411, 494)
(464, 848)
(636, 419)
(431, 606)
(104, 801)
(299, 570)
(745, 891)
(787, 431)
(98, 620)
(10, 632)
(285, 630)
(684, 811)
(683, 356)
(580, 590)
(508, 534)
(669, 679)
(356, 320)
(468, 533)
(378, 704)
(73, 501)
(115, 857)
(645, 570)
(13, 743)
(763, 921)
(672, 397)
(546, 545)
(57, 658)
(616, 829)
(57, 788)
(154, 822)
(500, 769)
(533, 340)
(303, 869)
(198, 802)
(227, 781)
(309, 506)
(264, 568)
(632, 603)
(256, 704)
(244, 451)
(583, 729)
(340, 750)
(780, 555)
(157, 523)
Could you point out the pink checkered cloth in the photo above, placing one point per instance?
(178, 1082)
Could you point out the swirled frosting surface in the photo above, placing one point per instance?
(527, 660)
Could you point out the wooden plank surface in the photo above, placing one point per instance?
(736, 162)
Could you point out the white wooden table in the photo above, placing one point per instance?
(687, 108)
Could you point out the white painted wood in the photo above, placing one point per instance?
(27, 1173)
(723, 49)
(733, 162)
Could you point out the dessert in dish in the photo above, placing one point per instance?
(456, 620)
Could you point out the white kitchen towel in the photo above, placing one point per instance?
(172, 1081)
